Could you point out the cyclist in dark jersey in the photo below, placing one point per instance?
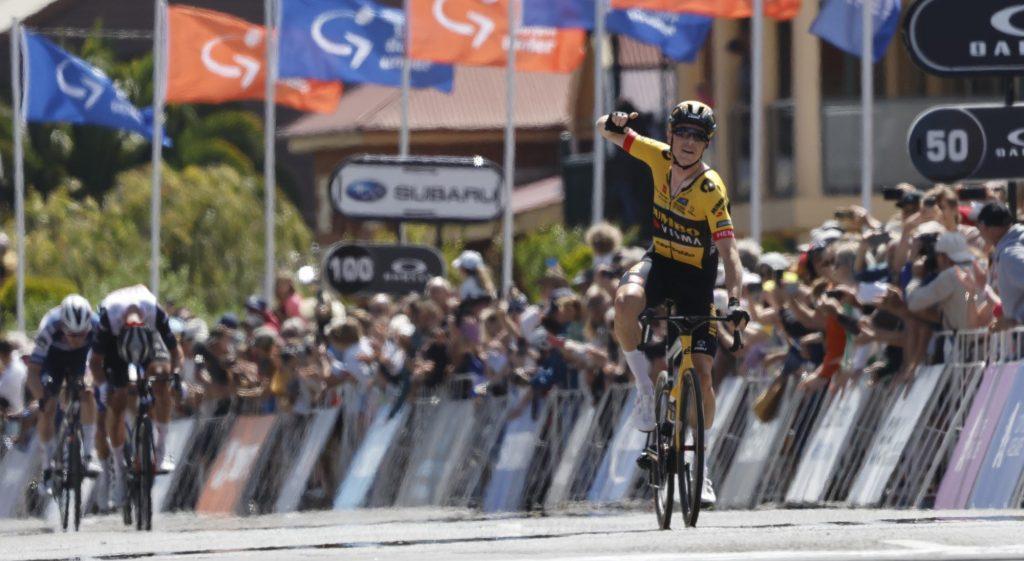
(692, 229)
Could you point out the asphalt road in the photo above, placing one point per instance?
(432, 534)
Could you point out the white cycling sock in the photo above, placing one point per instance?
(641, 368)
(46, 451)
(160, 442)
(88, 439)
(117, 454)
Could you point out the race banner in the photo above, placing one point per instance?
(839, 23)
(351, 41)
(476, 34)
(733, 9)
(508, 475)
(680, 37)
(62, 88)
(215, 58)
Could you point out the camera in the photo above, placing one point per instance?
(892, 193)
(972, 193)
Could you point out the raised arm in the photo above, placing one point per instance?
(619, 119)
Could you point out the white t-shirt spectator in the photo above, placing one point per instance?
(12, 384)
(351, 363)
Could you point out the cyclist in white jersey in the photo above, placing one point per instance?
(107, 366)
(61, 348)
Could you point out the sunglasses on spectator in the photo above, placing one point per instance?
(688, 133)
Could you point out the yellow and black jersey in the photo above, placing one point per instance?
(686, 225)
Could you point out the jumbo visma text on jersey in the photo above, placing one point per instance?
(686, 224)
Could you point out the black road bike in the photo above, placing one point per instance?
(140, 454)
(679, 411)
(69, 470)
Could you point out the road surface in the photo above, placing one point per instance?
(457, 535)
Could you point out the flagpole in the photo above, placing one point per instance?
(756, 117)
(867, 100)
(403, 142)
(159, 94)
(597, 206)
(510, 148)
(19, 167)
(269, 126)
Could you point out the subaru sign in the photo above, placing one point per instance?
(951, 143)
(371, 268)
(425, 189)
(955, 37)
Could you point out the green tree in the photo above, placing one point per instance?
(211, 236)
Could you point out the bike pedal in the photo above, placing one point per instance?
(646, 459)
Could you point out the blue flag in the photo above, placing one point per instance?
(563, 14)
(679, 36)
(839, 23)
(60, 87)
(351, 41)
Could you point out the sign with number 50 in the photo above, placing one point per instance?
(968, 142)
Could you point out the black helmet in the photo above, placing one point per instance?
(694, 113)
(135, 344)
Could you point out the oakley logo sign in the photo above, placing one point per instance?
(357, 46)
(89, 91)
(1016, 137)
(366, 191)
(408, 266)
(242, 67)
(1016, 150)
(1002, 21)
(480, 28)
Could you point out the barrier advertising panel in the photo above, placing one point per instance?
(561, 483)
(235, 463)
(821, 456)
(317, 433)
(759, 442)
(1000, 473)
(444, 443)
(618, 470)
(16, 470)
(971, 448)
(892, 437)
(356, 486)
(505, 488)
(177, 437)
(727, 398)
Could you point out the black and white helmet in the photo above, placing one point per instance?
(135, 344)
(76, 314)
(696, 114)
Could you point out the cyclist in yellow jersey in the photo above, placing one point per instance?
(692, 228)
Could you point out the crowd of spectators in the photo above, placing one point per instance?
(863, 296)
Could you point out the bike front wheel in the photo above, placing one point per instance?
(689, 438)
(661, 439)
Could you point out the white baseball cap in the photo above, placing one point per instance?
(468, 259)
(954, 245)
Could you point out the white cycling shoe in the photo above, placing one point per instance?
(707, 493)
(643, 412)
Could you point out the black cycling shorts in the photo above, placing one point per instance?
(691, 291)
(58, 364)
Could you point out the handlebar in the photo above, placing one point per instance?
(689, 324)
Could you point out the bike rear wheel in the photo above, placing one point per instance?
(661, 472)
(129, 490)
(690, 461)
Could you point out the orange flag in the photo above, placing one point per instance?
(777, 9)
(475, 33)
(214, 57)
